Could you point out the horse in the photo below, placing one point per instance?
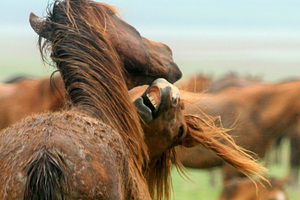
(95, 147)
(233, 80)
(253, 115)
(99, 114)
(244, 189)
(26, 96)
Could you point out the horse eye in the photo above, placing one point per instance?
(180, 131)
(175, 99)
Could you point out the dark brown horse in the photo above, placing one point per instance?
(26, 96)
(254, 114)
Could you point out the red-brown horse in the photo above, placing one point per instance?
(95, 148)
(26, 96)
(257, 116)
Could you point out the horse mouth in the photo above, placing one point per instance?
(152, 99)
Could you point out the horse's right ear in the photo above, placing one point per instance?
(39, 25)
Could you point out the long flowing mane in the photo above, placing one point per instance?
(92, 71)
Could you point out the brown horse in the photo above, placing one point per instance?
(254, 114)
(27, 96)
(209, 135)
(244, 189)
(99, 135)
(232, 80)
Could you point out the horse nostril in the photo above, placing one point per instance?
(180, 131)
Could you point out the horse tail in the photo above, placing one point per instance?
(46, 177)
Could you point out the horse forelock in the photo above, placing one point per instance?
(92, 71)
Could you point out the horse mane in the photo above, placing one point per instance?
(92, 71)
(159, 176)
(214, 138)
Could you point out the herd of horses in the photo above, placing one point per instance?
(111, 123)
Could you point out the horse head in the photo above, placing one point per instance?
(161, 111)
(143, 60)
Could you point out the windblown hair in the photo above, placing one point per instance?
(159, 176)
(92, 71)
(215, 139)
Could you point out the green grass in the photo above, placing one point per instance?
(199, 186)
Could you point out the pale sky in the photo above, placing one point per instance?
(257, 16)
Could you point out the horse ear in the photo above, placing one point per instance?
(39, 25)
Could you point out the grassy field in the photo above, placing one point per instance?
(199, 187)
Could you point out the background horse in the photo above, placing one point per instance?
(254, 114)
(27, 96)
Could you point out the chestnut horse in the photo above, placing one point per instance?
(254, 114)
(244, 189)
(95, 148)
(27, 96)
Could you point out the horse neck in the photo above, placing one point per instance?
(92, 71)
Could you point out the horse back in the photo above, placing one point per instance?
(64, 155)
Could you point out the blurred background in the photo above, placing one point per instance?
(249, 37)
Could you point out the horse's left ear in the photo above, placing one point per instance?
(39, 25)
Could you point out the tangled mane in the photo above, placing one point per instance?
(159, 176)
(92, 71)
(215, 139)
